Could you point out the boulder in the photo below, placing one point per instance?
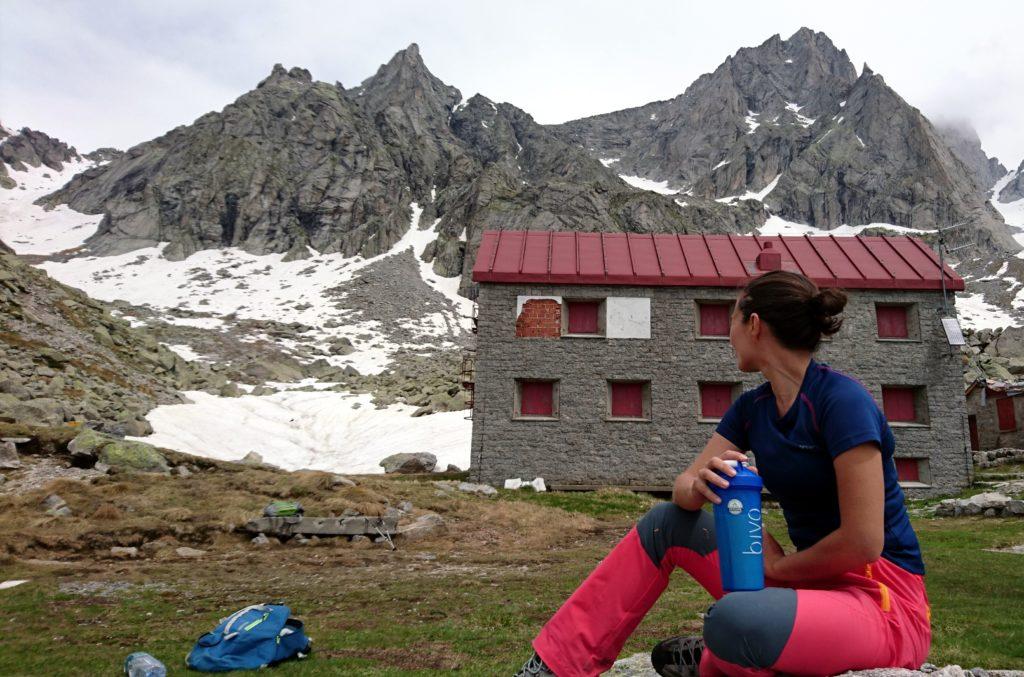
(252, 458)
(126, 553)
(421, 462)
(426, 526)
(133, 456)
(85, 448)
(1015, 507)
(479, 489)
(191, 553)
(9, 456)
(988, 500)
(1010, 343)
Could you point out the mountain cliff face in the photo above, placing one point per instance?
(963, 140)
(297, 163)
(1014, 189)
(843, 149)
(26, 148)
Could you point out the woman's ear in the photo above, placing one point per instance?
(754, 325)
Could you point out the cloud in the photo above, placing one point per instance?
(119, 72)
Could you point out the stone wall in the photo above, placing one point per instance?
(582, 448)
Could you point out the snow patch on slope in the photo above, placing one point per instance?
(30, 229)
(751, 195)
(1012, 212)
(335, 432)
(648, 184)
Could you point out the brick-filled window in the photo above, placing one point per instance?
(583, 317)
(713, 319)
(536, 399)
(716, 398)
(905, 404)
(629, 400)
(1007, 415)
(908, 469)
(896, 321)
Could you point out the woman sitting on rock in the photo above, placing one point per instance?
(852, 596)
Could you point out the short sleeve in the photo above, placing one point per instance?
(734, 423)
(850, 418)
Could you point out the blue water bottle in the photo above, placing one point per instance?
(738, 530)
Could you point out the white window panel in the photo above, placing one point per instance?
(628, 318)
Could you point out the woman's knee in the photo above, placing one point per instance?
(666, 525)
(751, 629)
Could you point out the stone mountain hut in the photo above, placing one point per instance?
(603, 359)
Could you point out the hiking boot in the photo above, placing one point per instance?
(677, 657)
(535, 667)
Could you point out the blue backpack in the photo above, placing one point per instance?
(253, 638)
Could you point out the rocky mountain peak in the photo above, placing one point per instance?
(402, 80)
(28, 148)
(963, 140)
(279, 73)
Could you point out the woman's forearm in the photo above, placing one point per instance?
(833, 555)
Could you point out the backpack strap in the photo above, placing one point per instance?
(226, 633)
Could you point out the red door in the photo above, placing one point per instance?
(972, 425)
(1007, 415)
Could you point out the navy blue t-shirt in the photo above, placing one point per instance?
(832, 413)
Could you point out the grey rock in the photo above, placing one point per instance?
(453, 468)
(53, 501)
(29, 148)
(1014, 507)
(189, 552)
(260, 540)
(341, 481)
(182, 471)
(9, 456)
(405, 506)
(252, 458)
(427, 525)
(480, 489)
(421, 462)
(124, 552)
(989, 499)
(123, 455)
(359, 538)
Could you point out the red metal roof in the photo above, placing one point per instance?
(876, 262)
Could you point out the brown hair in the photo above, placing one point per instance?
(798, 312)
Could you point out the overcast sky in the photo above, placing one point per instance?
(115, 73)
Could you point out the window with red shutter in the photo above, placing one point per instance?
(898, 404)
(892, 322)
(583, 317)
(536, 399)
(629, 399)
(714, 319)
(715, 399)
(1007, 415)
(908, 469)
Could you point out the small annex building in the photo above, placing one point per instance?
(993, 411)
(603, 359)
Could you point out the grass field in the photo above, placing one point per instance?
(470, 601)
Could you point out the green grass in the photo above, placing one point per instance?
(375, 612)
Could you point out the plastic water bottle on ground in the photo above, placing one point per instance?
(141, 664)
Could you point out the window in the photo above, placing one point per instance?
(536, 399)
(715, 398)
(629, 400)
(713, 319)
(897, 321)
(905, 404)
(583, 318)
(1007, 415)
(907, 470)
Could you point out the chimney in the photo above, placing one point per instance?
(768, 259)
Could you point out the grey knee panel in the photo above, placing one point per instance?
(667, 525)
(751, 628)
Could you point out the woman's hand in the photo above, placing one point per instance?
(705, 477)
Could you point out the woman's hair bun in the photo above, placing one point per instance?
(828, 303)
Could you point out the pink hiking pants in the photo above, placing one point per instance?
(874, 618)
